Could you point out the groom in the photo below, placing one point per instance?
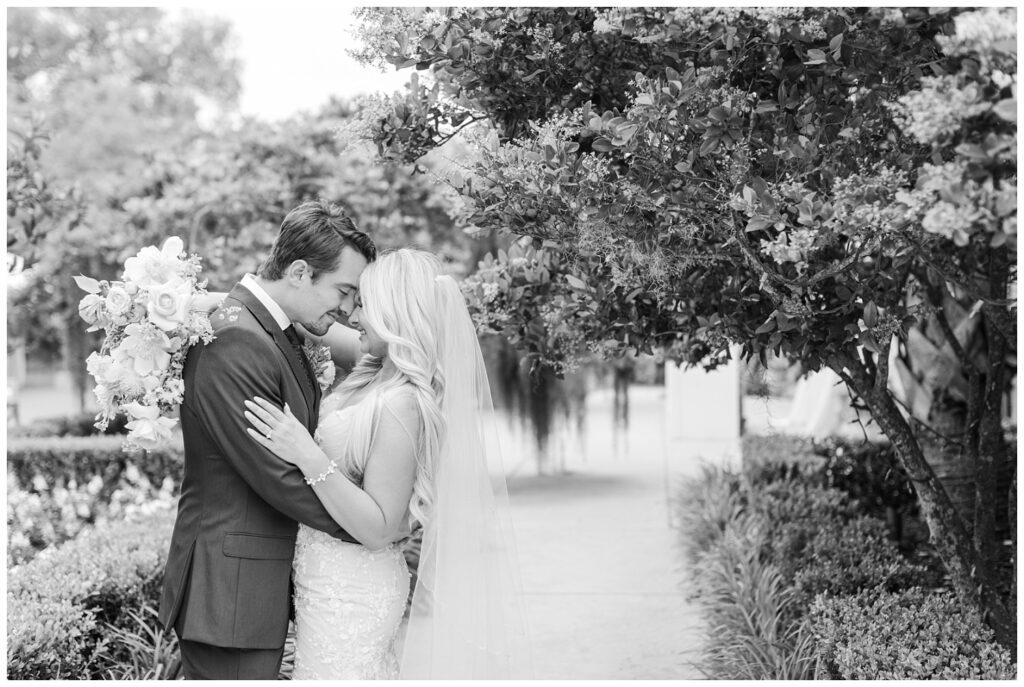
(226, 585)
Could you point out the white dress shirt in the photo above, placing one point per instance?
(275, 310)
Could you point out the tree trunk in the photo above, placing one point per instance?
(972, 582)
(989, 516)
(75, 343)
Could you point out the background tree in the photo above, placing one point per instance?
(226, 195)
(115, 143)
(818, 182)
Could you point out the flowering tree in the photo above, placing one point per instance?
(820, 182)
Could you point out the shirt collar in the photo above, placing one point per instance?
(275, 310)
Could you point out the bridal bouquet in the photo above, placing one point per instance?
(149, 329)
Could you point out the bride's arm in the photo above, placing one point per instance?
(208, 302)
(374, 514)
(343, 342)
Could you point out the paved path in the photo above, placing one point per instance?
(601, 567)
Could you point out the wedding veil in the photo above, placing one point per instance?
(467, 616)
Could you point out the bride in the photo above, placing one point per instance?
(402, 445)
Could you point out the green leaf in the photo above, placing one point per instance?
(766, 327)
(626, 131)
(758, 222)
(815, 56)
(718, 114)
(602, 145)
(576, 282)
(871, 314)
(709, 146)
(973, 151)
(87, 284)
(1007, 109)
(749, 195)
(867, 339)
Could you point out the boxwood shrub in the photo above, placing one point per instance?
(61, 604)
(906, 635)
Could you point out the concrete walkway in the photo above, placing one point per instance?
(601, 567)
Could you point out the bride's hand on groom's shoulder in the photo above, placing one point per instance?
(280, 431)
(207, 302)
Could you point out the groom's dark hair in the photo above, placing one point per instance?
(315, 231)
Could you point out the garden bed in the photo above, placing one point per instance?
(57, 487)
(811, 564)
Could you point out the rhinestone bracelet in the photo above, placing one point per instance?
(323, 475)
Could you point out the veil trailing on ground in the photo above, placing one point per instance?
(467, 614)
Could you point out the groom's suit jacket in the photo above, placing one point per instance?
(229, 565)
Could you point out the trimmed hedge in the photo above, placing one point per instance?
(846, 558)
(908, 635)
(869, 473)
(61, 605)
(56, 487)
(61, 460)
(81, 425)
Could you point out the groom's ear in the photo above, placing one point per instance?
(297, 271)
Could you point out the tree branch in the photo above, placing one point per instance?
(755, 262)
(882, 367)
(934, 293)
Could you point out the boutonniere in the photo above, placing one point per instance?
(320, 360)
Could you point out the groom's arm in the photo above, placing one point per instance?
(237, 366)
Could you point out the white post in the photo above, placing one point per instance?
(704, 417)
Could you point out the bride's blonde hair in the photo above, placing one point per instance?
(400, 301)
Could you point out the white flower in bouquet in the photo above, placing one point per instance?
(147, 347)
(105, 396)
(98, 364)
(118, 301)
(153, 266)
(92, 310)
(123, 380)
(168, 304)
(147, 427)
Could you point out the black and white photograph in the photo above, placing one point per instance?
(511, 342)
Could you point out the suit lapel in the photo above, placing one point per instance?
(310, 389)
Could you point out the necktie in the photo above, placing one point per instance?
(296, 342)
(293, 336)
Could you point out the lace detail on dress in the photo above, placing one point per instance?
(349, 603)
(349, 600)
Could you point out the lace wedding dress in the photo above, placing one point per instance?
(466, 616)
(349, 600)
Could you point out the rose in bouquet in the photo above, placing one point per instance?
(149, 328)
